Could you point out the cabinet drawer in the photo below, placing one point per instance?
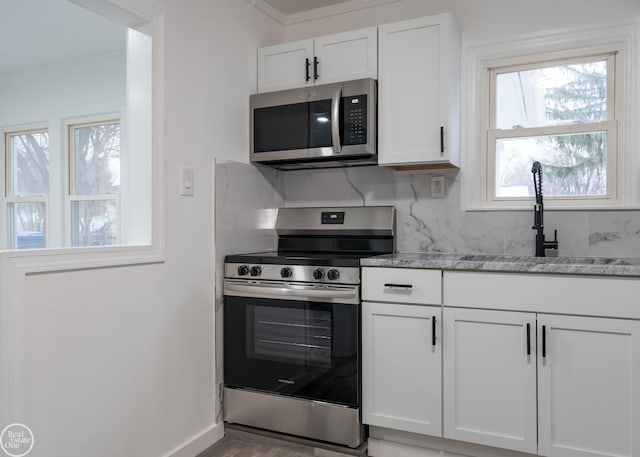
(402, 285)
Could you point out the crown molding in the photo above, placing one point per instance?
(318, 13)
(269, 11)
(334, 10)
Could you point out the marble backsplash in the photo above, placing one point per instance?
(246, 197)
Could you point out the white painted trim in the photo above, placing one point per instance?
(384, 442)
(334, 10)
(477, 56)
(198, 443)
(132, 13)
(305, 16)
(269, 11)
(65, 259)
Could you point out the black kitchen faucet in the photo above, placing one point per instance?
(538, 214)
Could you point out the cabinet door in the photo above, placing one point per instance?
(490, 378)
(415, 88)
(347, 56)
(402, 367)
(589, 386)
(284, 66)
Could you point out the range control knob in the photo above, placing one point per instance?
(318, 273)
(243, 270)
(286, 272)
(333, 274)
(256, 270)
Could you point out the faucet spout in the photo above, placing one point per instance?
(538, 214)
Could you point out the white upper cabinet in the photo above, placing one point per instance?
(419, 93)
(332, 58)
(284, 66)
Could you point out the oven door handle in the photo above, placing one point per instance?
(292, 292)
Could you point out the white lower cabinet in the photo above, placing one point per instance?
(510, 370)
(402, 358)
(588, 386)
(490, 378)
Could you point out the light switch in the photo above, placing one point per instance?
(437, 187)
(186, 181)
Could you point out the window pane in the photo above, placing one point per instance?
(572, 164)
(29, 164)
(558, 95)
(94, 222)
(27, 225)
(97, 159)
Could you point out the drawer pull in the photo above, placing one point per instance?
(398, 286)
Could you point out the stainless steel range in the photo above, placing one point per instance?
(292, 324)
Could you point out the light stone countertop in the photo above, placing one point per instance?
(599, 266)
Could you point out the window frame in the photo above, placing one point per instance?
(491, 134)
(7, 233)
(478, 57)
(71, 196)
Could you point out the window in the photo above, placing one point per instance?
(94, 185)
(561, 112)
(26, 188)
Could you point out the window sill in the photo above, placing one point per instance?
(65, 259)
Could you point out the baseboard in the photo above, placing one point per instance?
(199, 443)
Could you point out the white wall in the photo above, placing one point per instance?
(478, 20)
(120, 361)
(65, 89)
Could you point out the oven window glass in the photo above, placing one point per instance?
(300, 336)
(302, 349)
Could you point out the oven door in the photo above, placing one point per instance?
(294, 347)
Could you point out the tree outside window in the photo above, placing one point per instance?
(560, 114)
(95, 183)
(27, 188)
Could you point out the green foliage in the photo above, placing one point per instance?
(578, 165)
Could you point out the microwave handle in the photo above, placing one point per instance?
(335, 120)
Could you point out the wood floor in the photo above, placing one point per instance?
(240, 443)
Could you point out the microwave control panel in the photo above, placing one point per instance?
(354, 120)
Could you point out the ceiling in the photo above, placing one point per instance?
(287, 7)
(37, 32)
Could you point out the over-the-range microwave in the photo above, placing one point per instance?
(322, 126)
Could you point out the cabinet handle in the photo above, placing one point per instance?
(399, 286)
(544, 341)
(315, 68)
(306, 67)
(433, 331)
(528, 339)
(441, 140)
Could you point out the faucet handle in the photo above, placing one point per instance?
(552, 244)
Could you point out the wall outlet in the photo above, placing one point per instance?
(437, 187)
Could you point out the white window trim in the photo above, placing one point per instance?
(141, 15)
(5, 198)
(478, 58)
